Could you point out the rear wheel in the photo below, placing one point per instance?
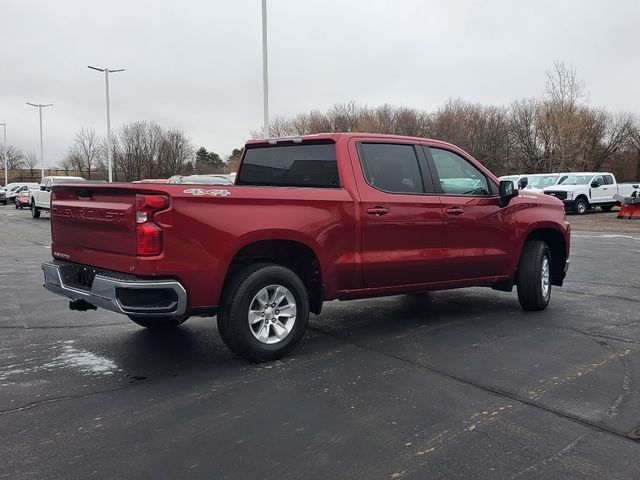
(18, 206)
(606, 208)
(35, 211)
(264, 312)
(534, 276)
(158, 323)
(580, 206)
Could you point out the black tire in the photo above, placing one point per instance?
(237, 300)
(606, 208)
(17, 207)
(35, 211)
(158, 323)
(531, 292)
(580, 206)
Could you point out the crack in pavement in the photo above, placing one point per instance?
(586, 333)
(617, 297)
(628, 436)
(552, 458)
(25, 327)
(31, 405)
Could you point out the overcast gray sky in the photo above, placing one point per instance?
(196, 65)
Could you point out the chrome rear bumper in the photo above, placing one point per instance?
(117, 292)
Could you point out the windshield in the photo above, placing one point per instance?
(576, 180)
(543, 181)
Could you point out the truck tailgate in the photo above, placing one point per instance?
(99, 218)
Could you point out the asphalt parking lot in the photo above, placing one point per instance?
(457, 384)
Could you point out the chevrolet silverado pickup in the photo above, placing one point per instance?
(309, 219)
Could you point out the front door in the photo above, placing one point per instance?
(479, 235)
(402, 221)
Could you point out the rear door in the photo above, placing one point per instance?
(598, 190)
(608, 189)
(479, 235)
(401, 241)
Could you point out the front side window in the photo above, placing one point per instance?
(457, 176)
(608, 180)
(391, 167)
(290, 166)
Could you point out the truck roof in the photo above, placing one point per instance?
(334, 137)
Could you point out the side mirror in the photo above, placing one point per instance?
(595, 184)
(43, 188)
(48, 189)
(522, 184)
(507, 192)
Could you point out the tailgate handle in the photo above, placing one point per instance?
(377, 211)
(454, 211)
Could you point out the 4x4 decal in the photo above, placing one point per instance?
(198, 192)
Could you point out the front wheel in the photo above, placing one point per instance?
(158, 323)
(35, 211)
(534, 276)
(580, 206)
(264, 312)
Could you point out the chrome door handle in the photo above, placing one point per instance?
(377, 211)
(454, 211)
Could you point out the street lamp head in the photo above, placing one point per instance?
(96, 68)
(40, 105)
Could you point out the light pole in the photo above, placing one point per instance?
(4, 155)
(40, 107)
(265, 70)
(106, 79)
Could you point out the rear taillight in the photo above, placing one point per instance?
(149, 234)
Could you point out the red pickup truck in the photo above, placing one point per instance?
(309, 219)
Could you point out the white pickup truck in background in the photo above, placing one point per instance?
(40, 198)
(583, 191)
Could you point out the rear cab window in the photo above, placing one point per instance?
(291, 165)
(393, 168)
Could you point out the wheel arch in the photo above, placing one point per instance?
(557, 243)
(292, 253)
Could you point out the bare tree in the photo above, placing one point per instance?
(66, 165)
(634, 143)
(175, 153)
(136, 150)
(14, 158)
(563, 86)
(86, 151)
(30, 162)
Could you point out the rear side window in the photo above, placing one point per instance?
(608, 180)
(290, 166)
(457, 176)
(391, 167)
